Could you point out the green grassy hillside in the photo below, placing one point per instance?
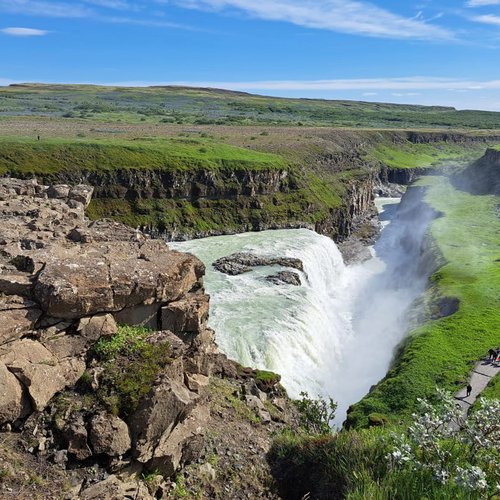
(25, 156)
(209, 106)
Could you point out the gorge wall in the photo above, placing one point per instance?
(483, 176)
(328, 189)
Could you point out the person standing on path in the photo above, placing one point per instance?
(469, 390)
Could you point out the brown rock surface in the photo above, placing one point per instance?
(109, 434)
(14, 403)
(189, 315)
(17, 317)
(159, 413)
(39, 370)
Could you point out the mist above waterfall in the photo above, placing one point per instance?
(336, 334)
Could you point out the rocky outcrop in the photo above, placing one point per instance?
(483, 176)
(284, 278)
(65, 283)
(183, 184)
(240, 263)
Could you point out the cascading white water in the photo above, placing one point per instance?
(334, 335)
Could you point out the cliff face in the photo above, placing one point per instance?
(189, 184)
(328, 193)
(483, 176)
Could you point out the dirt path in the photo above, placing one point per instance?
(480, 377)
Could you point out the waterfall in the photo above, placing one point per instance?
(333, 336)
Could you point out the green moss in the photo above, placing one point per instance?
(131, 365)
(267, 377)
(443, 351)
(411, 155)
(28, 156)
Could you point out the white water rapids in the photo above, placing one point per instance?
(333, 336)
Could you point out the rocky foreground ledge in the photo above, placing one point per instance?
(65, 284)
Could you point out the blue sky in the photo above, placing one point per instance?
(413, 51)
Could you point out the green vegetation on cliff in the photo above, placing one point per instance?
(443, 351)
(416, 155)
(29, 156)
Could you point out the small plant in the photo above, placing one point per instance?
(316, 415)
(454, 448)
(131, 365)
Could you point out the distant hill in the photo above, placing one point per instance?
(204, 106)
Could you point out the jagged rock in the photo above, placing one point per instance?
(60, 191)
(251, 388)
(76, 435)
(189, 315)
(258, 406)
(17, 317)
(108, 277)
(39, 370)
(157, 415)
(285, 278)
(183, 445)
(95, 327)
(15, 283)
(14, 403)
(196, 381)
(240, 263)
(65, 345)
(109, 435)
(81, 193)
(114, 488)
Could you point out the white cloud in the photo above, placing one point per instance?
(481, 3)
(44, 8)
(346, 16)
(487, 19)
(23, 32)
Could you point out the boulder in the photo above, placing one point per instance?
(81, 193)
(14, 403)
(95, 327)
(76, 436)
(17, 317)
(196, 381)
(71, 286)
(166, 404)
(183, 445)
(116, 488)
(107, 277)
(39, 370)
(189, 315)
(258, 406)
(60, 191)
(109, 435)
(285, 278)
(89, 330)
(240, 263)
